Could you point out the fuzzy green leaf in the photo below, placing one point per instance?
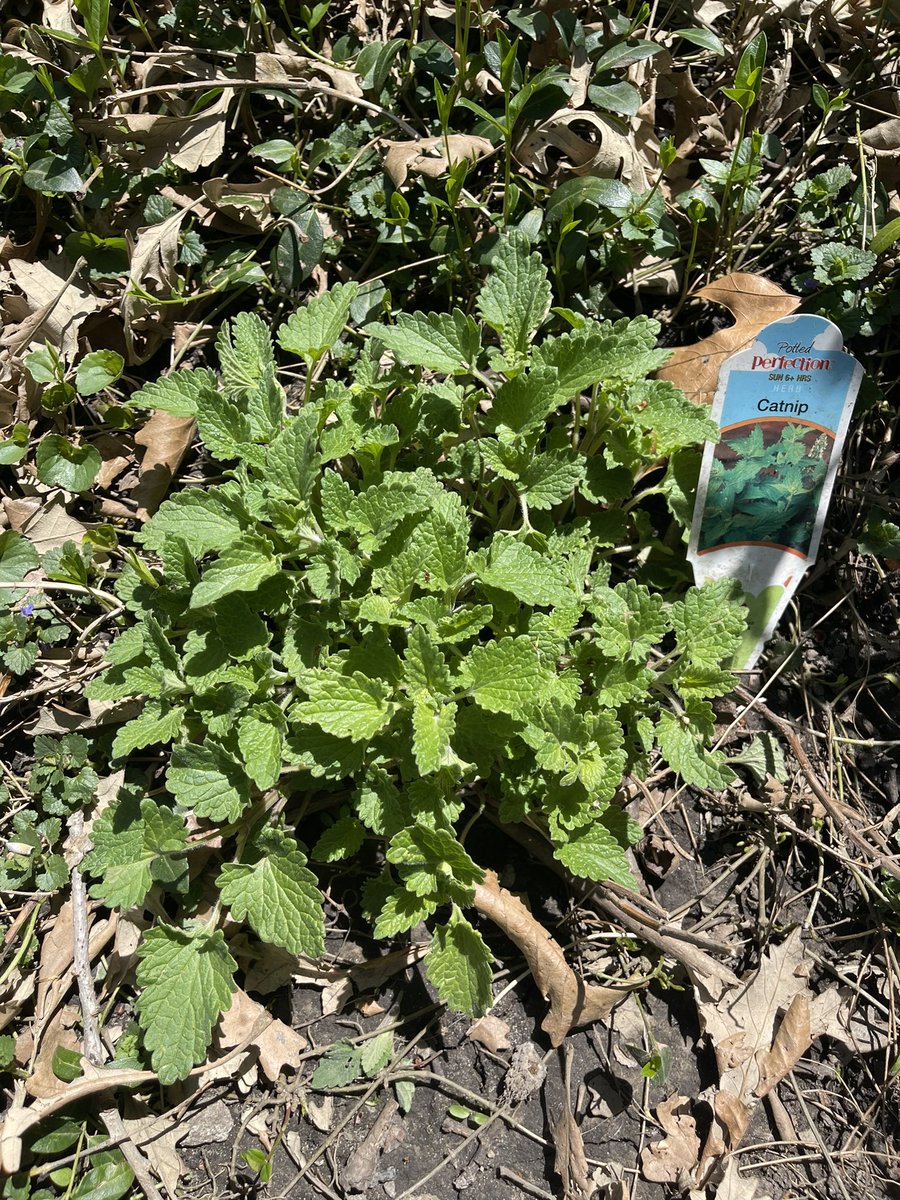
(241, 567)
(458, 963)
(506, 676)
(314, 329)
(433, 863)
(515, 300)
(630, 620)
(402, 911)
(683, 750)
(279, 896)
(136, 844)
(550, 478)
(592, 852)
(524, 403)
(513, 566)
(445, 342)
(152, 727)
(708, 624)
(433, 728)
(206, 520)
(205, 779)
(244, 345)
(261, 740)
(293, 459)
(348, 706)
(187, 980)
(176, 393)
(340, 840)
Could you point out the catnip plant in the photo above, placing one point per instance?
(409, 597)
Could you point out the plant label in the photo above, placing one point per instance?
(783, 407)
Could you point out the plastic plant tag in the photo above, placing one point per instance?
(783, 407)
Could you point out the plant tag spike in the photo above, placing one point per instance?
(783, 407)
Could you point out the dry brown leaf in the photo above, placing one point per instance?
(429, 156)
(387, 1132)
(600, 148)
(157, 1138)
(58, 14)
(792, 1040)
(570, 1161)
(51, 309)
(341, 986)
(735, 1186)
(490, 1032)
(572, 1002)
(278, 1045)
(42, 1082)
(666, 1160)
(166, 439)
(754, 302)
(47, 524)
(153, 258)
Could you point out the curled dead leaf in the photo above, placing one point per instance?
(277, 1044)
(431, 156)
(589, 144)
(666, 1161)
(754, 301)
(490, 1032)
(166, 439)
(572, 1001)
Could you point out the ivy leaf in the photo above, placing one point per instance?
(136, 844)
(205, 779)
(445, 342)
(458, 963)
(261, 740)
(314, 330)
(187, 980)
(176, 393)
(278, 894)
(506, 676)
(350, 706)
(593, 852)
(241, 567)
(60, 464)
(17, 557)
(515, 300)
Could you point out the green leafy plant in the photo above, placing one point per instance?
(765, 485)
(402, 602)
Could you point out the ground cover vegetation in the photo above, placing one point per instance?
(355, 369)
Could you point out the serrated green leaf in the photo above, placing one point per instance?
(433, 863)
(683, 750)
(445, 342)
(524, 403)
(293, 458)
(550, 478)
(314, 330)
(241, 567)
(506, 676)
(261, 741)
(630, 620)
(402, 910)
(596, 354)
(224, 428)
(376, 1053)
(187, 980)
(244, 346)
(593, 852)
(708, 624)
(515, 300)
(279, 896)
(136, 843)
(513, 566)
(662, 410)
(152, 727)
(176, 393)
(340, 840)
(424, 666)
(347, 706)
(206, 780)
(433, 728)
(206, 520)
(458, 963)
(339, 1066)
